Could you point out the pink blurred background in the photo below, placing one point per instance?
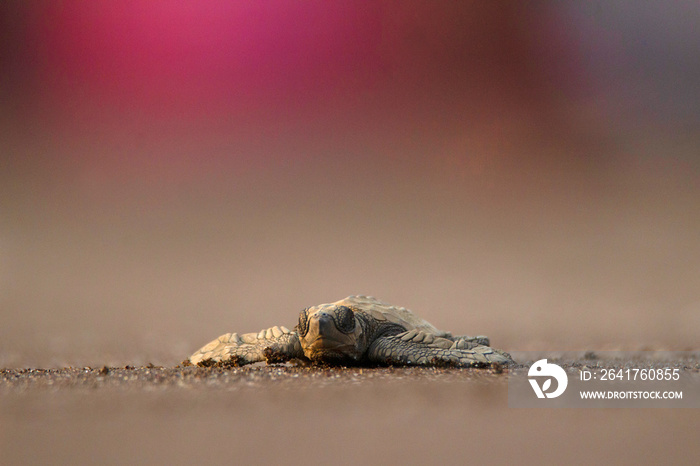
(171, 171)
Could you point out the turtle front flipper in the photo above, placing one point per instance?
(275, 344)
(415, 348)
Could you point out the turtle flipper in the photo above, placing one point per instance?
(423, 349)
(274, 344)
(482, 340)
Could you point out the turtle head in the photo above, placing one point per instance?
(330, 333)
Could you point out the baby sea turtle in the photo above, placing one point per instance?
(355, 330)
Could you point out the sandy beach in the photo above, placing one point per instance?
(150, 415)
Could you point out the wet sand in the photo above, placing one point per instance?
(297, 415)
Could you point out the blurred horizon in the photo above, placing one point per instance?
(174, 171)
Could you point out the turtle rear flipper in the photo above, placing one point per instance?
(274, 344)
(482, 340)
(417, 348)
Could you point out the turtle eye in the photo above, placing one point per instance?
(303, 326)
(345, 319)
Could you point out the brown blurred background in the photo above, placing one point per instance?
(171, 172)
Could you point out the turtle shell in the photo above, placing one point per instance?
(386, 312)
